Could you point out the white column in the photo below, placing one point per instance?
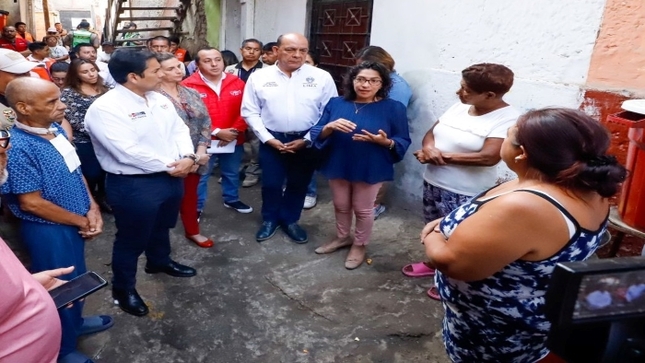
(247, 18)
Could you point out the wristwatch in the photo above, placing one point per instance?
(307, 143)
(193, 157)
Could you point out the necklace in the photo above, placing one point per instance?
(360, 108)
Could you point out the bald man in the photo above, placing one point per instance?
(281, 103)
(46, 190)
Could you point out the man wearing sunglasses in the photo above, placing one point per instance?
(46, 191)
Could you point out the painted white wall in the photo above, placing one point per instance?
(273, 18)
(547, 43)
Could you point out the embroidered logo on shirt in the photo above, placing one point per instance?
(164, 107)
(236, 93)
(310, 82)
(270, 84)
(136, 115)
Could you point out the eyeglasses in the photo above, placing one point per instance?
(5, 137)
(371, 82)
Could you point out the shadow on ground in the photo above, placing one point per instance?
(276, 301)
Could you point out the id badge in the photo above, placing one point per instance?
(67, 151)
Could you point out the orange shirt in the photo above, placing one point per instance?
(180, 53)
(28, 37)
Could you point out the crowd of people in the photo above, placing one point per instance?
(67, 153)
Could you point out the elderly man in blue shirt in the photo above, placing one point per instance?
(281, 103)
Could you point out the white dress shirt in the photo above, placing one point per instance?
(216, 87)
(274, 101)
(132, 136)
(104, 72)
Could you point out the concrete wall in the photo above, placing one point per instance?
(273, 18)
(548, 44)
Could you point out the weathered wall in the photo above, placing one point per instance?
(548, 44)
(273, 18)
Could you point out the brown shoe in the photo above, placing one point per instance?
(355, 257)
(333, 245)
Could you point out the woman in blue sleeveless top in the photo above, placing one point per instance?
(495, 254)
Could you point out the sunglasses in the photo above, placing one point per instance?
(5, 137)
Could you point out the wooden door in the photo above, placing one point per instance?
(339, 29)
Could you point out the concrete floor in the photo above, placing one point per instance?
(276, 301)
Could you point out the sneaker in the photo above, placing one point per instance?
(239, 206)
(378, 210)
(250, 181)
(310, 201)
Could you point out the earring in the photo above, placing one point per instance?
(518, 158)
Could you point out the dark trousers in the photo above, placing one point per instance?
(297, 169)
(53, 246)
(91, 168)
(145, 209)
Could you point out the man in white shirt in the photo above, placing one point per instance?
(88, 52)
(281, 103)
(146, 150)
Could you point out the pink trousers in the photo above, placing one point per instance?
(354, 197)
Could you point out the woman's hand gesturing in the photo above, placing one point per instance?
(380, 138)
(341, 125)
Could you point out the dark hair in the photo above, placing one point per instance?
(73, 81)
(205, 48)
(174, 39)
(252, 40)
(268, 47)
(78, 47)
(488, 77)
(569, 148)
(19, 23)
(229, 58)
(372, 53)
(164, 56)
(314, 56)
(36, 46)
(59, 66)
(348, 80)
(125, 61)
(159, 37)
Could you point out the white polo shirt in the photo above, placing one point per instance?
(135, 135)
(274, 101)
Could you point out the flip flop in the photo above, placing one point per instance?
(95, 324)
(433, 293)
(418, 269)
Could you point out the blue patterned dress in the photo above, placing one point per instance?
(501, 318)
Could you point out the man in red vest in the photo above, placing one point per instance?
(222, 95)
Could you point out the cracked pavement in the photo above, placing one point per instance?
(276, 301)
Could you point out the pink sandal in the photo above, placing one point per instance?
(433, 293)
(418, 269)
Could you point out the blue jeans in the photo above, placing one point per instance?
(312, 188)
(145, 208)
(53, 246)
(230, 170)
(94, 175)
(297, 169)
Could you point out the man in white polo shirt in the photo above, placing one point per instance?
(280, 104)
(146, 150)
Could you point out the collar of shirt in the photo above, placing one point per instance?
(277, 67)
(256, 66)
(216, 87)
(146, 101)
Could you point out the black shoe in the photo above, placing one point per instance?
(173, 269)
(267, 231)
(296, 233)
(239, 207)
(130, 302)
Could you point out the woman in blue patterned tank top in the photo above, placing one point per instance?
(494, 255)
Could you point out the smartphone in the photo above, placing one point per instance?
(77, 288)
